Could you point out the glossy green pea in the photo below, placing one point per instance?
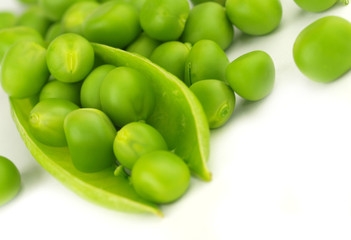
(7, 19)
(143, 45)
(55, 9)
(164, 20)
(317, 5)
(10, 180)
(252, 75)
(24, 71)
(255, 17)
(74, 17)
(114, 24)
(322, 51)
(134, 140)
(126, 96)
(46, 121)
(90, 135)
(90, 91)
(206, 60)
(136, 3)
(10, 36)
(35, 18)
(60, 90)
(160, 177)
(195, 2)
(172, 56)
(217, 99)
(209, 21)
(53, 32)
(70, 58)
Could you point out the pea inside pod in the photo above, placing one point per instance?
(7, 19)
(60, 90)
(34, 17)
(143, 45)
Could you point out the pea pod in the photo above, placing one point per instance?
(317, 5)
(176, 106)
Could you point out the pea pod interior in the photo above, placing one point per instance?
(178, 115)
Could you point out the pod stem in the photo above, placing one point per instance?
(120, 171)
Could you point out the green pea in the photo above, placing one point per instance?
(143, 45)
(90, 91)
(160, 177)
(136, 3)
(70, 58)
(134, 140)
(24, 71)
(90, 135)
(46, 121)
(195, 2)
(255, 17)
(206, 60)
(35, 18)
(60, 90)
(126, 96)
(114, 24)
(217, 100)
(252, 75)
(7, 19)
(10, 180)
(10, 36)
(322, 51)
(209, 21)
(53, 32)
(55, 9)
(172, 56)
(164, 20)
(317, 5)
(73, 19)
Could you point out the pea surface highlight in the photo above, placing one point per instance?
(252, 75)
(134, 140)
(322, 51)
(70, 58)
(255, 17)
(10, 180)
(217, 99)
(126, 96)
(46, 121)
(160, 177)
(90, 135)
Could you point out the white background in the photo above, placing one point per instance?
(281, 167)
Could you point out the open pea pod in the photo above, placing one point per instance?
(178, 116)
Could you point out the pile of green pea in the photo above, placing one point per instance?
(100, 111)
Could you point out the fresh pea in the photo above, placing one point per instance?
(164, 20)
(55, 9)
(160, 177)
(10, 180)
(90, 91)
(317, 5)
(90, 135)
(322, 51)
(114, 24)
(46, 121)
(10, 36)
(255, 17)
(73, 19)
(34, 17)
(172, 56)
(136, 3)
(252, 75)
(209, 21)
(195, 2)
(24, 71)
(217, 99)
(53, 32)
(134, 140)
(60, 90)
(7, 19)
(206, 60)
(70, 58)
(126, 96)
(143, 45)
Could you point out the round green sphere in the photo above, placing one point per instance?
(10, 180)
